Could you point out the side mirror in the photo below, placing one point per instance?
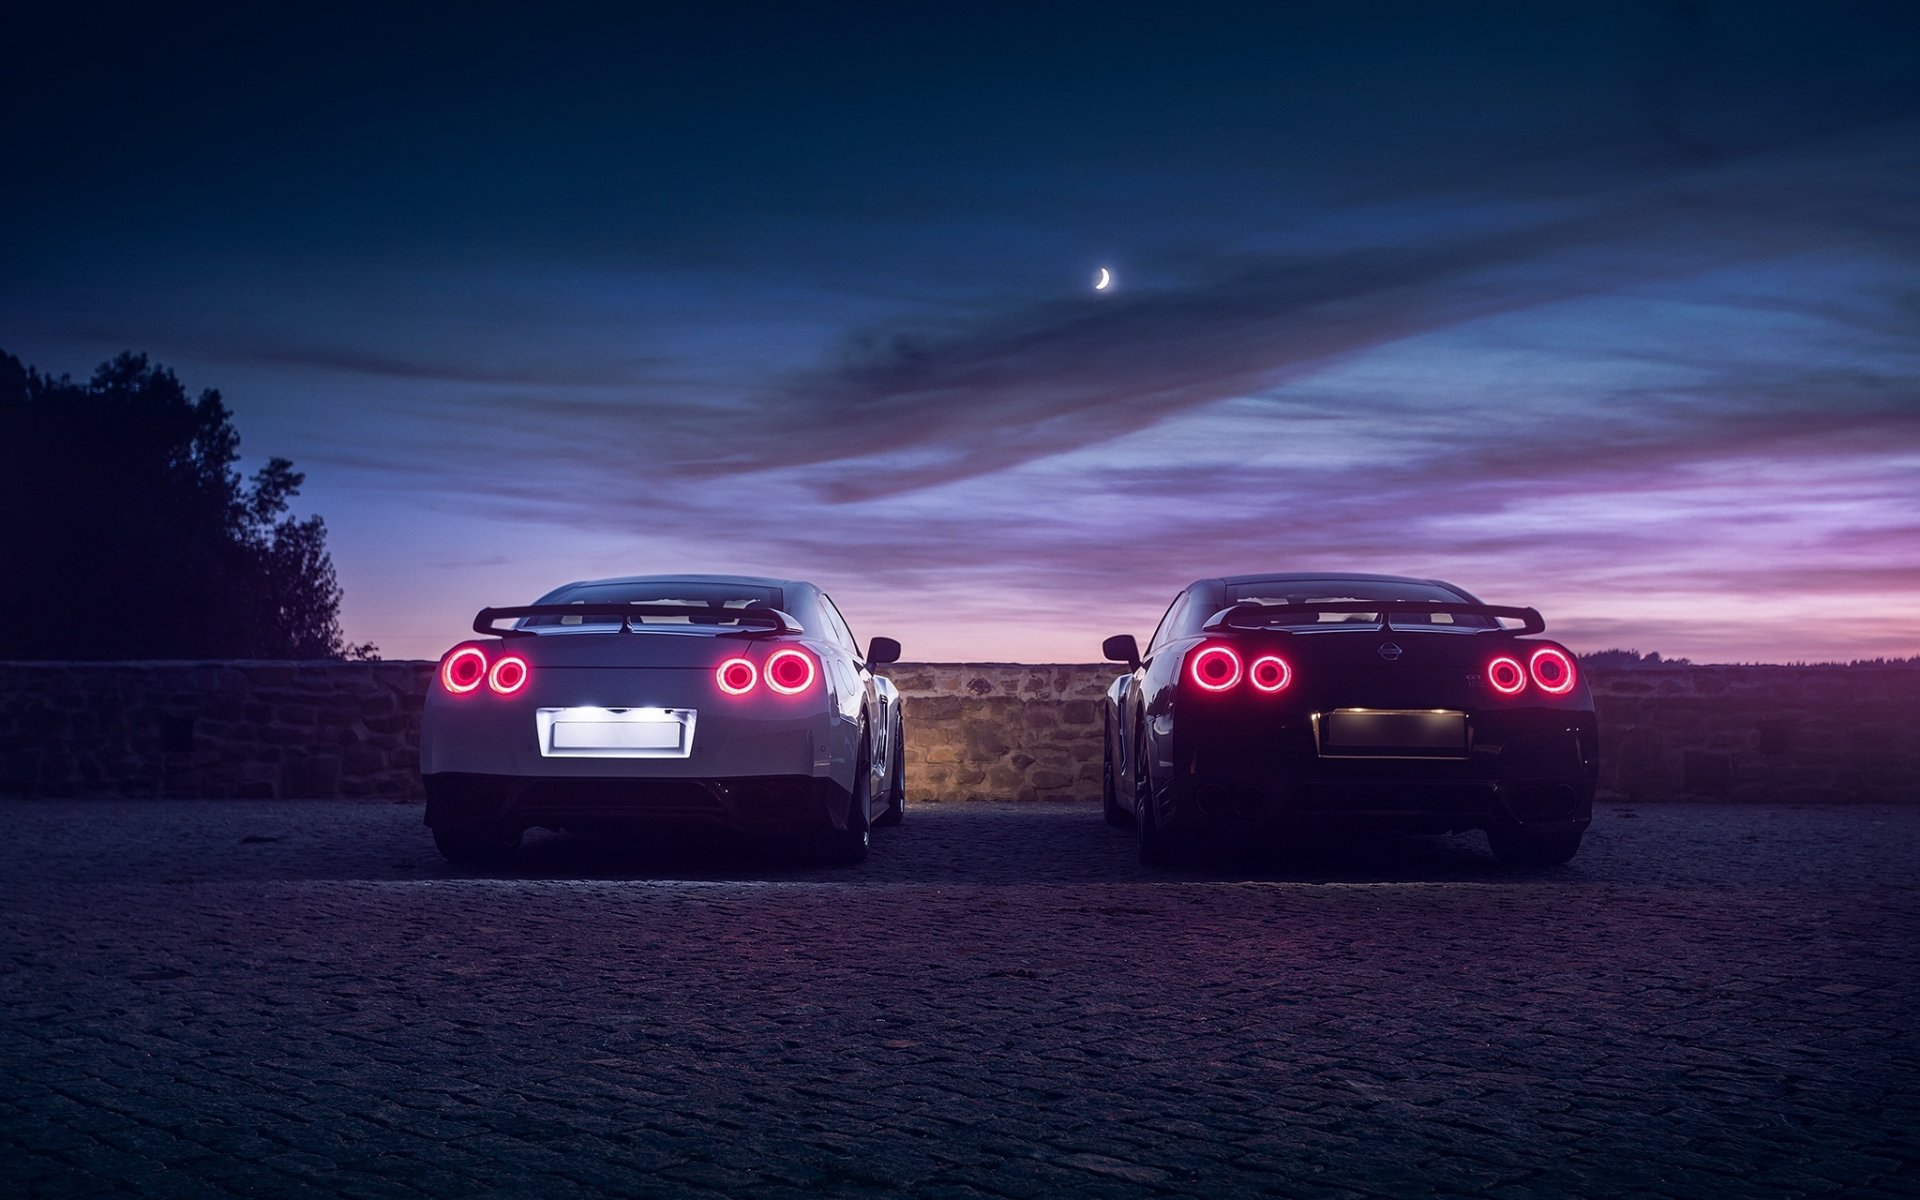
(1122, 648)
(883, 650)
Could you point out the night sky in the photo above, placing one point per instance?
(1612, 309)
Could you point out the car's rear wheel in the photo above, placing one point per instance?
(896, 810)
(1109, 791)
(1533, 847)
(845, 847)
(476, 845)
(1153, 846)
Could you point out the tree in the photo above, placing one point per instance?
(126, 532)
(1622, 660)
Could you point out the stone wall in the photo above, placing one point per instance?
(260, 730)
(1816, 734)
(974, 731)
(994, 731)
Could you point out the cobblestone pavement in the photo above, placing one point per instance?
(293, 999)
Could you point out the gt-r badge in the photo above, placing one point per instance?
(1389, 651)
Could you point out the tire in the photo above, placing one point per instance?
(1153, 846)
(1533, 847)
(846, 847)
(843, 847)
(896, 810)
(1110, 808)
(475, 845)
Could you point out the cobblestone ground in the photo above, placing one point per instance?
(290, 999)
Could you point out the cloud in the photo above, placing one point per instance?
(511, 371)
(909, 404)
(1016, 386)
(1649, 478)
(1653, 409)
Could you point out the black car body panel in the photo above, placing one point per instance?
(1388, 715)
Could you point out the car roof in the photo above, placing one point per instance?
(1285, 575)
(746, 580)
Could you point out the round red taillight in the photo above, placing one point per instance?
(736, 676)
(1552, 669)
(1215, 668)
(1270, 673)
(1505, 676)
(462, 670)
(789, 671)
(509, 675)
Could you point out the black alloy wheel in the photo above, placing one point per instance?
(845, 847)
(1533, 847)
(1150, 844)
(1109, 791)
(476, 845)
(896, 810)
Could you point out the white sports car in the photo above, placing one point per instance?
(689, 701)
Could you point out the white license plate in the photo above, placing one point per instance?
(615, 732)
(1392, 733)
(616, 735)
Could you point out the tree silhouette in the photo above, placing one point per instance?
(125, 531)
(1620, 660)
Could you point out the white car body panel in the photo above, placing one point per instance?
(758, 734)
(614, 700)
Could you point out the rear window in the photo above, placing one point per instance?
(722, 602)
(1279, 593)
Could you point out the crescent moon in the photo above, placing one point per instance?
(1104, 282)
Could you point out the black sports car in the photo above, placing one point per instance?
(1268, 702)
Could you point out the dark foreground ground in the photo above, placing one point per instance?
(289, 999)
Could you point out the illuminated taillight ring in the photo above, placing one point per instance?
(1270, 673)
(1214, 668)
(736, 676)
(463, 670)
(784, 676)
(1556, 678)
(509, 675)
(1506, 676)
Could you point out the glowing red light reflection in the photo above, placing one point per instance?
(1552, 670)
(789, 671)
(1506, 676)
(1270, 673)
(509, 675)
(1215, 669)
(736, 676)
(463, 669)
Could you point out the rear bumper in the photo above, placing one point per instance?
(1536, 769)
(770, 804)
(488, 735)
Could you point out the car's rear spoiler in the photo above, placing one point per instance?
(755, 622)
(1237, 616)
